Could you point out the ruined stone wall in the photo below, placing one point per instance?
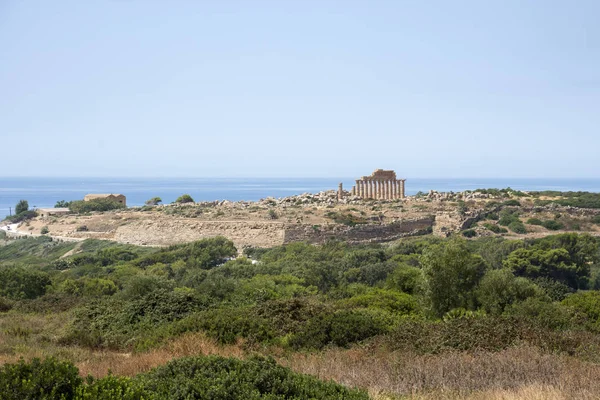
(359, 233)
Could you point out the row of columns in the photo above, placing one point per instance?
(382, 190)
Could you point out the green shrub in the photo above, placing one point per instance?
(552, 225)
(226, 325)
(494, 228)
(517, 227)
(6, 304)
(212, 377)
(113, 388)
(499, 289)
(556, 290)
(405, 278)
(82, 207)
(507, 217)
(49, 379)
(184, 198)
(273, 214)
(388, 300)
(512, 203)
(596, 219)
(44, 230)
(341, 328)
(82, 228)
(200, 377)
(534, 221)
(540, 312)
(23, 216)
(469, 233)
(587, 307)
(153, 201)
(22, 283)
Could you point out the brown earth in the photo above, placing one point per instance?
(311, 218)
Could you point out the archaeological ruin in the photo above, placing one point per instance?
(381, 185)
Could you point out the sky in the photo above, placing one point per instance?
(300, 88)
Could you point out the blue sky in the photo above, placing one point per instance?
(300, 88)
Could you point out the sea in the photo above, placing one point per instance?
(45, 192)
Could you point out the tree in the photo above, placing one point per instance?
(565, 258)
(185, 198)
(153, 201)
(451, 273)
(500, 288)
(62, 204)
(21, 206)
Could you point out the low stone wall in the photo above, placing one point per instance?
(358, 234)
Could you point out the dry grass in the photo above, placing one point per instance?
(131, 364)
(514, 373)
(35, 335)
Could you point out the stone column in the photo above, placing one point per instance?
(367, 189)
(387, 190)
(362, 189)
(396, 190)
(340, 192)
(402, 193)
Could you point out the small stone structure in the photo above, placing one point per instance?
(48, 212)
(381, 185)
(115, 197)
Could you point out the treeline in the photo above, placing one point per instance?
(301, 296)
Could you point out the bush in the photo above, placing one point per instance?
(500, 288)
(24, 216)
(212, 377)
(388, 300)
(82, 228)
(44, 230)
(552, 225)
(48, 379)
(596, 219)
(507, 217)
(82, 207)
(62, 204)
(341, 328)
(113, 388)
(494, 228)
(200, 377)
(512, 203)
(273, 214)
(534, 221)
(405, 278)
(517, 227)
(587, 306)
(153, 201)
(469, 233)
(21, 283)
(185, 198)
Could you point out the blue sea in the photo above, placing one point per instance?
(45, 192)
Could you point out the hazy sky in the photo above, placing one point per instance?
(300, 88)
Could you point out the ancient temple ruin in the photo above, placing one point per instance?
(381, 185)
